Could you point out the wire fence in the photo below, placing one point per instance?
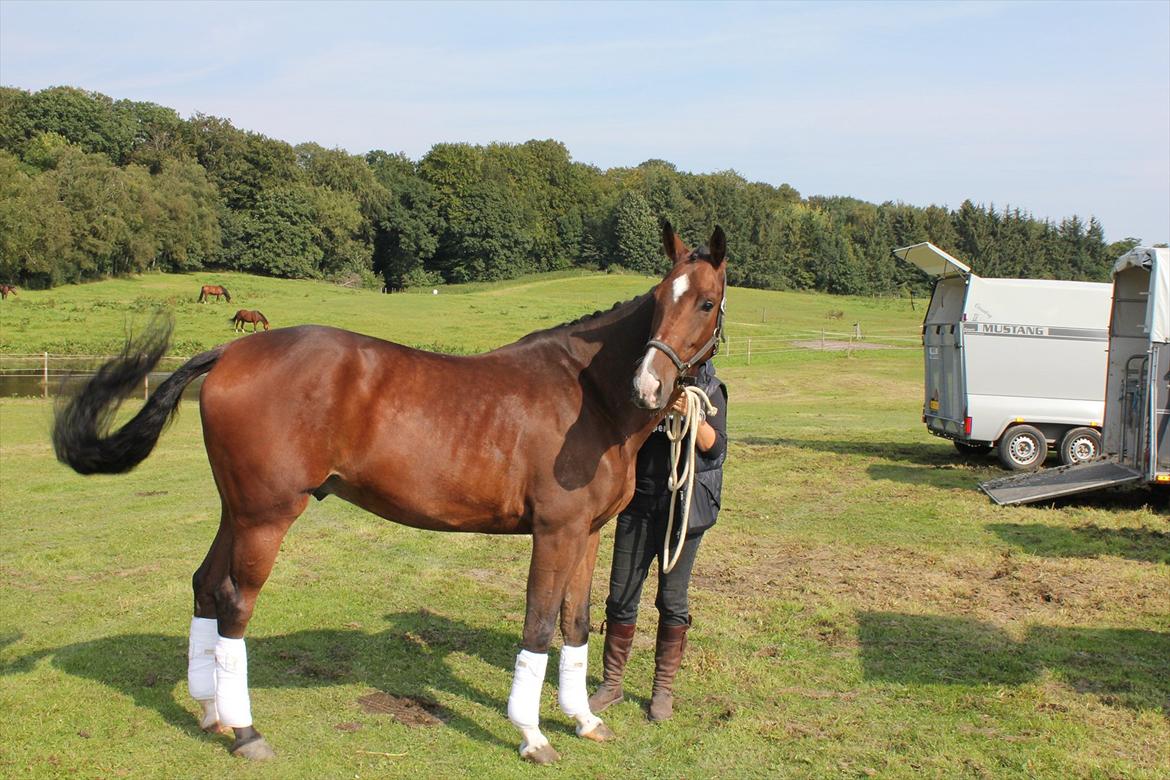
(45, 373)
(747, 347)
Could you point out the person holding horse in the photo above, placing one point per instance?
(639, 539)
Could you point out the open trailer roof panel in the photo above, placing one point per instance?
(932, 260)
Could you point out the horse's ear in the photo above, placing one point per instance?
(717, 246)
(675, 249)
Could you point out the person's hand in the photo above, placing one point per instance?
(679, 405)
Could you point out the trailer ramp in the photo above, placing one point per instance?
(1063, 481)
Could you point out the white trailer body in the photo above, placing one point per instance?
(1137, 407)
(1017, 364)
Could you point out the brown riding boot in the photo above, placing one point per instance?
(618, 638)
(668, 653)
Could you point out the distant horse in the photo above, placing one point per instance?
(208, 290)
(5, 289)
(252, 316)
(538, 437)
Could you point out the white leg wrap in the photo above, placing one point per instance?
(231, 683)
(201, 659)
(524, 701)
(572, 695)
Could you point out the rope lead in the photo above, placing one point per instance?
(698, 407)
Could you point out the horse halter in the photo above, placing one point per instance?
(684, 366)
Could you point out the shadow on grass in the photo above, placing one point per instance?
(1124, 667)
(910, 464)
(408, 659)
(1086, 541)
(920, 454)
(942, 478)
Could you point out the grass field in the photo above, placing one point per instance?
(860, 609)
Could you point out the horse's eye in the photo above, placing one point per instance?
(708, 305)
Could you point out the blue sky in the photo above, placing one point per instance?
(1057, 108)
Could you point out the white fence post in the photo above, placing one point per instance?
(46, 376)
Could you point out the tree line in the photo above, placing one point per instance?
(93, 187)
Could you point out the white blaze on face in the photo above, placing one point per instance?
(645, 382)
(680, 286)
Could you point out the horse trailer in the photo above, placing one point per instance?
(1012, 364)
(1137, 401)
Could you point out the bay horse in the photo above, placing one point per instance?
(248, 315)
(550, 452)
(209, 290)
(5, 289)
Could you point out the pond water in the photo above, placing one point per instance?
(25, 384)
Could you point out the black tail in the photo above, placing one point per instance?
(81, 426)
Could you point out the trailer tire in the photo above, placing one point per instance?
(969, 450)
(1080, 445)
(1022, 448)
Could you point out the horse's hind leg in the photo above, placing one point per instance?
(205, 627)
(235, 570)
(573, 697)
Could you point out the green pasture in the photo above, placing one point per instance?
(860, 609)
(93, 319)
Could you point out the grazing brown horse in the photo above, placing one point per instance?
(248, 315)
(549, 451)
(5, 289)
(209, 290)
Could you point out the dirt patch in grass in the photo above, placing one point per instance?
(1001, 590)
(413, 711)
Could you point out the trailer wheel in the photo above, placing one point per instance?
(1080, 445)
(970, 450)
(1022, 448)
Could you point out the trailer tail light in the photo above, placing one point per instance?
(1162, 478)
(966, 426)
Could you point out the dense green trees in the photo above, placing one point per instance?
(91, 187)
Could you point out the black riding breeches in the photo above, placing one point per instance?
(637, 544)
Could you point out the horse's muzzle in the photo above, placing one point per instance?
(647, 391)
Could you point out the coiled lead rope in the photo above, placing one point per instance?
(678, 427)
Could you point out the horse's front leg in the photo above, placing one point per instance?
(555, 555)
(574, 699)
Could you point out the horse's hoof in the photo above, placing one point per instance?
(599, 733)
(545, 754)
(213, 728)
(256, 749)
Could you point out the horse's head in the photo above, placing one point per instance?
(688, 317)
